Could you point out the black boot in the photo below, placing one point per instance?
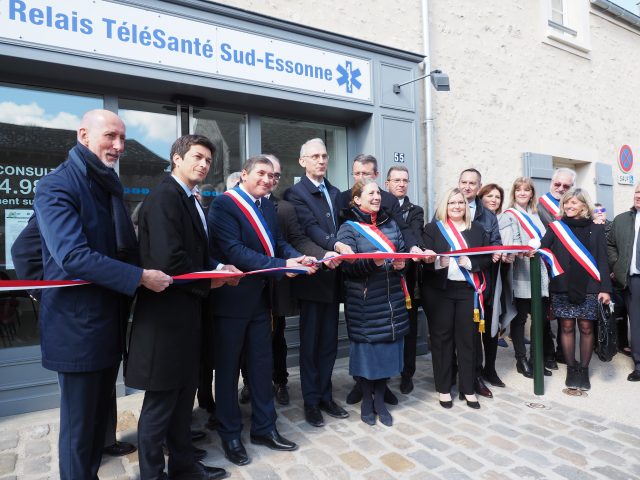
(379, 387)
(355, 395)
(585, 384)
(573, 376)
(366, 407)
(524, 367)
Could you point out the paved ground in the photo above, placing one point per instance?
(597, 436)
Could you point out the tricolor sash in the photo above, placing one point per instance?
(527, 224)
(476, 280)
(381, 242)
(253, 214)
(575, 247)
(550, 204)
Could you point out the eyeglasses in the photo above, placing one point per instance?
(600, 210)
(399, 180)
(563, 185)
(317, 156)
(277, 176)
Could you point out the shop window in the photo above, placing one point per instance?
(566, 24)
(151, 130)
(283, 138)
(228, 132)
(37, 129)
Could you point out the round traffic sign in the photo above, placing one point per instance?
(625, 159)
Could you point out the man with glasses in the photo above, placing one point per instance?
(562, 181)
(316, 204)
(398, 184)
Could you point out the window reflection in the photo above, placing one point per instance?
(151, 130)
(283, 138)
(37, 129)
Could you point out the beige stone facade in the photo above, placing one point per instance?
(514, 87)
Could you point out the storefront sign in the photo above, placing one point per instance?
(106, 29)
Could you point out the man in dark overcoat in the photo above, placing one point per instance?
(87, 234)
(165, 343)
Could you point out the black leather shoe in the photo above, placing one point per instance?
(235, 452)
(355, 395)
(470, 404)
(274, 441)
(313, 416)
(573, 377)
(406, 385)
(634, 376)
(199, 453)
(119, 449)
(585, 384)
(481, 389)
(332, 409)
(389, 397)
(245, 395)
(524, 367)
(551, 364)
(201, 472)
(493, 378)
(197, 435)
(281, 393)
(547, 372)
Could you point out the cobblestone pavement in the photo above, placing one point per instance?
(505, 439)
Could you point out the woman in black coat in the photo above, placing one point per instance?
(375, 308)
(448, 299)
(575, 294)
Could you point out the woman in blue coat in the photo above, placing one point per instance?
(375, 303)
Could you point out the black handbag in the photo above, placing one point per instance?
(607, 339)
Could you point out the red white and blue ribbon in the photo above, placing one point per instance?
(550, 204)
(476, 280)
(575, 247)
(526, 222)
(382, 243)
(528, 225)
(255, 219)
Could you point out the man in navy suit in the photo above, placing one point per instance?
(244, 232)
(87, 234)
(316, 203)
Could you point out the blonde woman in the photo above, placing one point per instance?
(448, 297)
(580, 247)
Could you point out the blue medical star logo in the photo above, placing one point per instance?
(349, 76)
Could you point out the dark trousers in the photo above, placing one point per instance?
(450, 316)
(318, 350)
(85, 399)
(166, 415)
(112, 421)
(205, 388)
(253, 336)
(487, 343)
(411, 338)
(632, 301)
(279, 348)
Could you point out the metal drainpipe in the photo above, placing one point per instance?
(428, 113)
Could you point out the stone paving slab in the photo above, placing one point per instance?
(505, 439)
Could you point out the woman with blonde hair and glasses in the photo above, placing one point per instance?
(581, 250)
(448, 297)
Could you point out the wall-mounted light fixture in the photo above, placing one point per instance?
(439, 80)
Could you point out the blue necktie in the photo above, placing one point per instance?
(324, 191)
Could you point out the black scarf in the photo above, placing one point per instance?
(577, 276)
(126, 241)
